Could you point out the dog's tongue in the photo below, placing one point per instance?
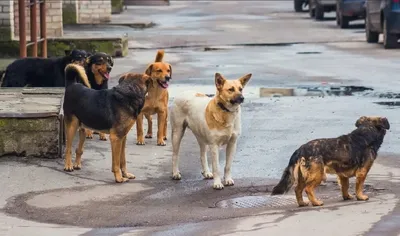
(107, 75)
(165, 85)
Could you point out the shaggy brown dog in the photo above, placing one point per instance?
(347, 156)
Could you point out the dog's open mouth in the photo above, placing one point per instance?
(105, 75)
(163, 84)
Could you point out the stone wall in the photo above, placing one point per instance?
(54, 19)
(6, 20)
(94, 11)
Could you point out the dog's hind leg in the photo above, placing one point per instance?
(178, 130)
(165, 125)
(161, 120)
(344, 184)
(89, 133)
(71, 125)
(313, 174)
(125, 173)
(149, 126)
(205, 171)
(215, 166)
(79, 149)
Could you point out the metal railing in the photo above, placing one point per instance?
(23, 45)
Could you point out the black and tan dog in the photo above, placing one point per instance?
(98, 68)
(112, 111)
(41, 72)
(347, 156)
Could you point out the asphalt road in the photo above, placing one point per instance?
(281, 49)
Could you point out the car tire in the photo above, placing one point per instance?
(298, 5)
(389, 40)
(319, 12)
(372, 37)
(344, 21)
(311, 10)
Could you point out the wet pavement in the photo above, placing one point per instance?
(233, 38)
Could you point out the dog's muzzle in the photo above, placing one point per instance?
(237, 100)
(167, 78)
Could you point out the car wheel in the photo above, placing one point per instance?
(298, 5)
(311, 10)
(344, 21)
(319, 12)
(389, 40)
(372, 37)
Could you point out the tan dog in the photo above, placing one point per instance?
(156, 101)
(214, 121)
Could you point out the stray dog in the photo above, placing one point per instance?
(214, 121)
(346, 156)
(41, 72)
(156, 101)
(98, 68)
(112, 111)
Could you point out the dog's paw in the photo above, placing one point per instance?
(128, 175)
(148, 136)
(77, 166)
(69, 167)
(121, 180)
(318, 203)
(89, 136)
(303, 204)
(140, 143)
(207, 174)
(362, 197)
(103, 137)
(176, 176)
(161, 143)
(348, 197)
(218, 186)
(229, 182)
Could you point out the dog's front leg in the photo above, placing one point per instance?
(230, 153)
(125, 173)
(161, 119)
(139, 130)
(116, 148)
(215, 166)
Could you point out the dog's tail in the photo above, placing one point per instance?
(75, 73)
(159, 56)
(288, 176)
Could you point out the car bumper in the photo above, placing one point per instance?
(353, 8)
(393, 22)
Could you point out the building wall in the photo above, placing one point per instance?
(6, 20)
(54, 20)
(94, 11)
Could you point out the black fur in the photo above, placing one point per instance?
(345, 152)
(99, 109)
(40, 72)
(98, 57)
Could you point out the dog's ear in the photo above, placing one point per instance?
(170, 71)
(121, 78)
(149, 69)
(243, 80)
(67, 52)
(384, 123)
(360, 121)
(88, 59)
(219, 81)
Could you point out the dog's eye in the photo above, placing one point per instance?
(159, 70)
(240, 89)
(232, 89)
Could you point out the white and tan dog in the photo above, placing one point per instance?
(214, 121)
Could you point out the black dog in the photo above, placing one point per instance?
(41, 72)
(98, 67)
(113, 111)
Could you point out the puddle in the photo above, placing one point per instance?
(390, 105)
(308, 52)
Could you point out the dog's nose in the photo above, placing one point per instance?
(167, 78)
(109, 68)
(240, 99)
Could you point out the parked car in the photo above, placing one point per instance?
(298, 5)
(383, 17)
(317, 8)
(349, 10)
